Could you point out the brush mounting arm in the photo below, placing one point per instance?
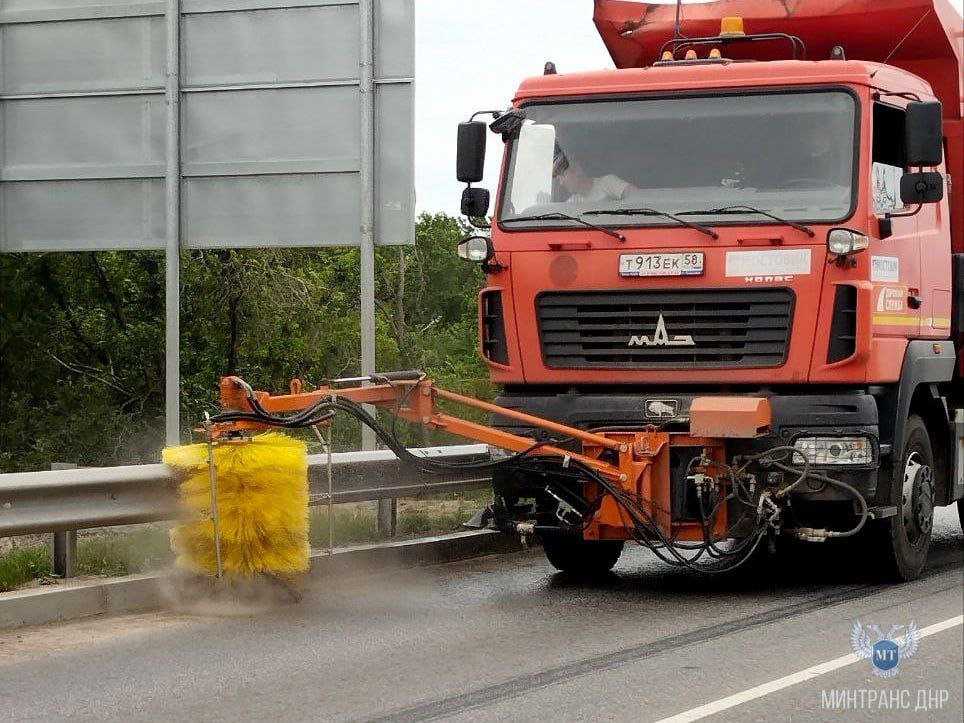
(412, 397)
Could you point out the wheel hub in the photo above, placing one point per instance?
(918, 498)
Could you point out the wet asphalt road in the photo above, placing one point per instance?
(504, 638)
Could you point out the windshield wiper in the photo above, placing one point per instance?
(567, 217)
(653, 212)
(736, 210)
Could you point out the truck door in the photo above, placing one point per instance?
(934, 232)
(895, 261)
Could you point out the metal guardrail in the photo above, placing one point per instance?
(78, 499)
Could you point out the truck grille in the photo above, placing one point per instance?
(621, 329)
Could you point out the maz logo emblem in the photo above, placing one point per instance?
(661, 337)
(661, 408)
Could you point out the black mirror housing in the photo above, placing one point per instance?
(924, 134)
(885, 228)
(509, 124)
(475, 202)
(918, 188)
(470, 158)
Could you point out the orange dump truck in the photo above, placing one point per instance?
(763, 201)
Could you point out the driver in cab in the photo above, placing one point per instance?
(816, 162)
(583, 188)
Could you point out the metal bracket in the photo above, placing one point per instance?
(565, 509)
(882, 513)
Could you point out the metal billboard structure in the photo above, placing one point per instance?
(173, 124)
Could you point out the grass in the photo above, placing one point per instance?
(125, 553)
(112, 554)
(359, 525)
(23, 564)
(479, 498)
(356, 525)
(419, 522)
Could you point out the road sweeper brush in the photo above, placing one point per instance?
(251, 502)
(584, 492)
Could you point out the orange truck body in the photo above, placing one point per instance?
(897, 319)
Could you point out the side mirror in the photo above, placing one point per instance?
(475, 248)
(470, 158)
(918, 188)
(475, 202)
(924, 134)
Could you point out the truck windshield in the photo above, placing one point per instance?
(788, 154)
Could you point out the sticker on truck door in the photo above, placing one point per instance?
(891, 298)
(884, 268)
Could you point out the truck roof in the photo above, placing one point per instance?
(676, 77)
(923, 37)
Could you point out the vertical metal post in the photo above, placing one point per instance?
(172, 256)
(65, 554)
(329, 473)
(65, 543)
(388, 517)
(366, 78)
(215, 508)
(3, 196)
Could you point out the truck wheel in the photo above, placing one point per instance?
(581, 557)
(906, 537)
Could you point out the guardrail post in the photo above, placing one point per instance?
(387, 520)
(65, 553)
(65, 543)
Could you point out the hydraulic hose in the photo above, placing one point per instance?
(323, 410)
(860, 499)
(646, 532)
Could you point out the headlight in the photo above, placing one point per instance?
(475, 248)
(833, 450)
(843, 241)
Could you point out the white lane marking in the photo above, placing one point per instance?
(773, 686)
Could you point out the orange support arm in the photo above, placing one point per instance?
(415, 401)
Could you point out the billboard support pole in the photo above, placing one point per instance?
(367, 173)
(366, 81)
(172, 256)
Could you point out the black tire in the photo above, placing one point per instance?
(902, 541)
(581, 557)
(960, 513)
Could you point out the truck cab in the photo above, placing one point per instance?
(763, 208)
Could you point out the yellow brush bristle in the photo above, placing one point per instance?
(262, 502)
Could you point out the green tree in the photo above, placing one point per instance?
(82, 347)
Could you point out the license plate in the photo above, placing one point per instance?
(683, 264)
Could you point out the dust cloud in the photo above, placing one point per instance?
(187, 593)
